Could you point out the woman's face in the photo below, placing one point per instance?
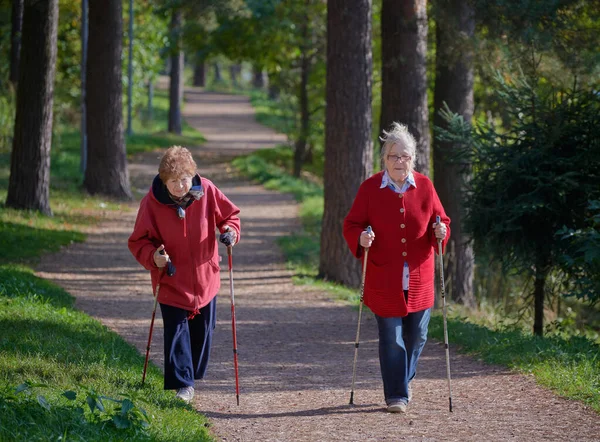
(398, 162)
(179, 186)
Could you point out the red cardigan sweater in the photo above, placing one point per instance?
(402, 224)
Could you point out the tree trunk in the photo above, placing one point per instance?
(273, 85)
(539, 286)
(454, 86)
(348, 142)
(199, 74)
(258, 80)
(150, 100)
(176, 78)
(84, 54)
(404, 72)
(234, 71)
(300, 148)
(106, 172)
(217, 71)
(29, 182)
(15, 39)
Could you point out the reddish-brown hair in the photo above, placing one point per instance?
(177, 162)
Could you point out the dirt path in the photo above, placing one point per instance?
(296, 346)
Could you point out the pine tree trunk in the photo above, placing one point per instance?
(199, 75)
(454, 86)
(29, 183)
(300, 148)
(217, 73)
(176, 79)
(348, 142)
(234, 71)
(404, 72)
(539, 288)
(15, 39)
(106, 172)
(258, 80)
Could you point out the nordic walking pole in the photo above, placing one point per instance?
(356, 343)
(170, 272)
(235, 356)
(437, 220)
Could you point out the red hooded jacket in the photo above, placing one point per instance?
(190, 242)
(402, 224)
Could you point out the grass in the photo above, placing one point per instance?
(570, 366)
(63, 375)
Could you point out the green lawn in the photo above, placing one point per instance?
(64, 375)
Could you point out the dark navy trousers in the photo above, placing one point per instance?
(187, 343)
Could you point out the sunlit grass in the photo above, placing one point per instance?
(48, 344)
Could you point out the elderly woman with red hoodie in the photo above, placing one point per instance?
(401, 206)
(175, 226)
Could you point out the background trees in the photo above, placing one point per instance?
(348, 142)
(15, 39)
(106, 172)
(454, 83)
(176, 76)
(29, 183)
(535, 182)
(424, 57)
(404, 29)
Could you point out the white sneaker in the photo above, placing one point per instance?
(397, 407)
(186, 394)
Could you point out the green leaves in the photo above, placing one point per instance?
(534, 177)
(124, 414)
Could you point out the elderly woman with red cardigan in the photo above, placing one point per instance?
(401, 206)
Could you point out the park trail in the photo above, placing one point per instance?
(295, 344)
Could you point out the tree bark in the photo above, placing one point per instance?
(300, 147)
(455, 27)
(176, 78)
(199, 73)
(258, 79)
(404, 72)
(348, 142)
(539, 289)
(15, 39)
(217, 73)
(84, 56)
(29, 182)
(106, 172)
(234, 71)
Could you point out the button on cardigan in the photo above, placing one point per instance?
(392, 219)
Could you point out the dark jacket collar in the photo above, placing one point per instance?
(161, 193)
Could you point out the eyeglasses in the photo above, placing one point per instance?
(394, 158)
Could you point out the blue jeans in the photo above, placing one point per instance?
(401, 340)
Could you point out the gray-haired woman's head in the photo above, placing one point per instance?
(398, 134)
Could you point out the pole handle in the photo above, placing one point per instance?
(170, 266)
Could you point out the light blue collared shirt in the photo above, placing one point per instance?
(386, 181)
